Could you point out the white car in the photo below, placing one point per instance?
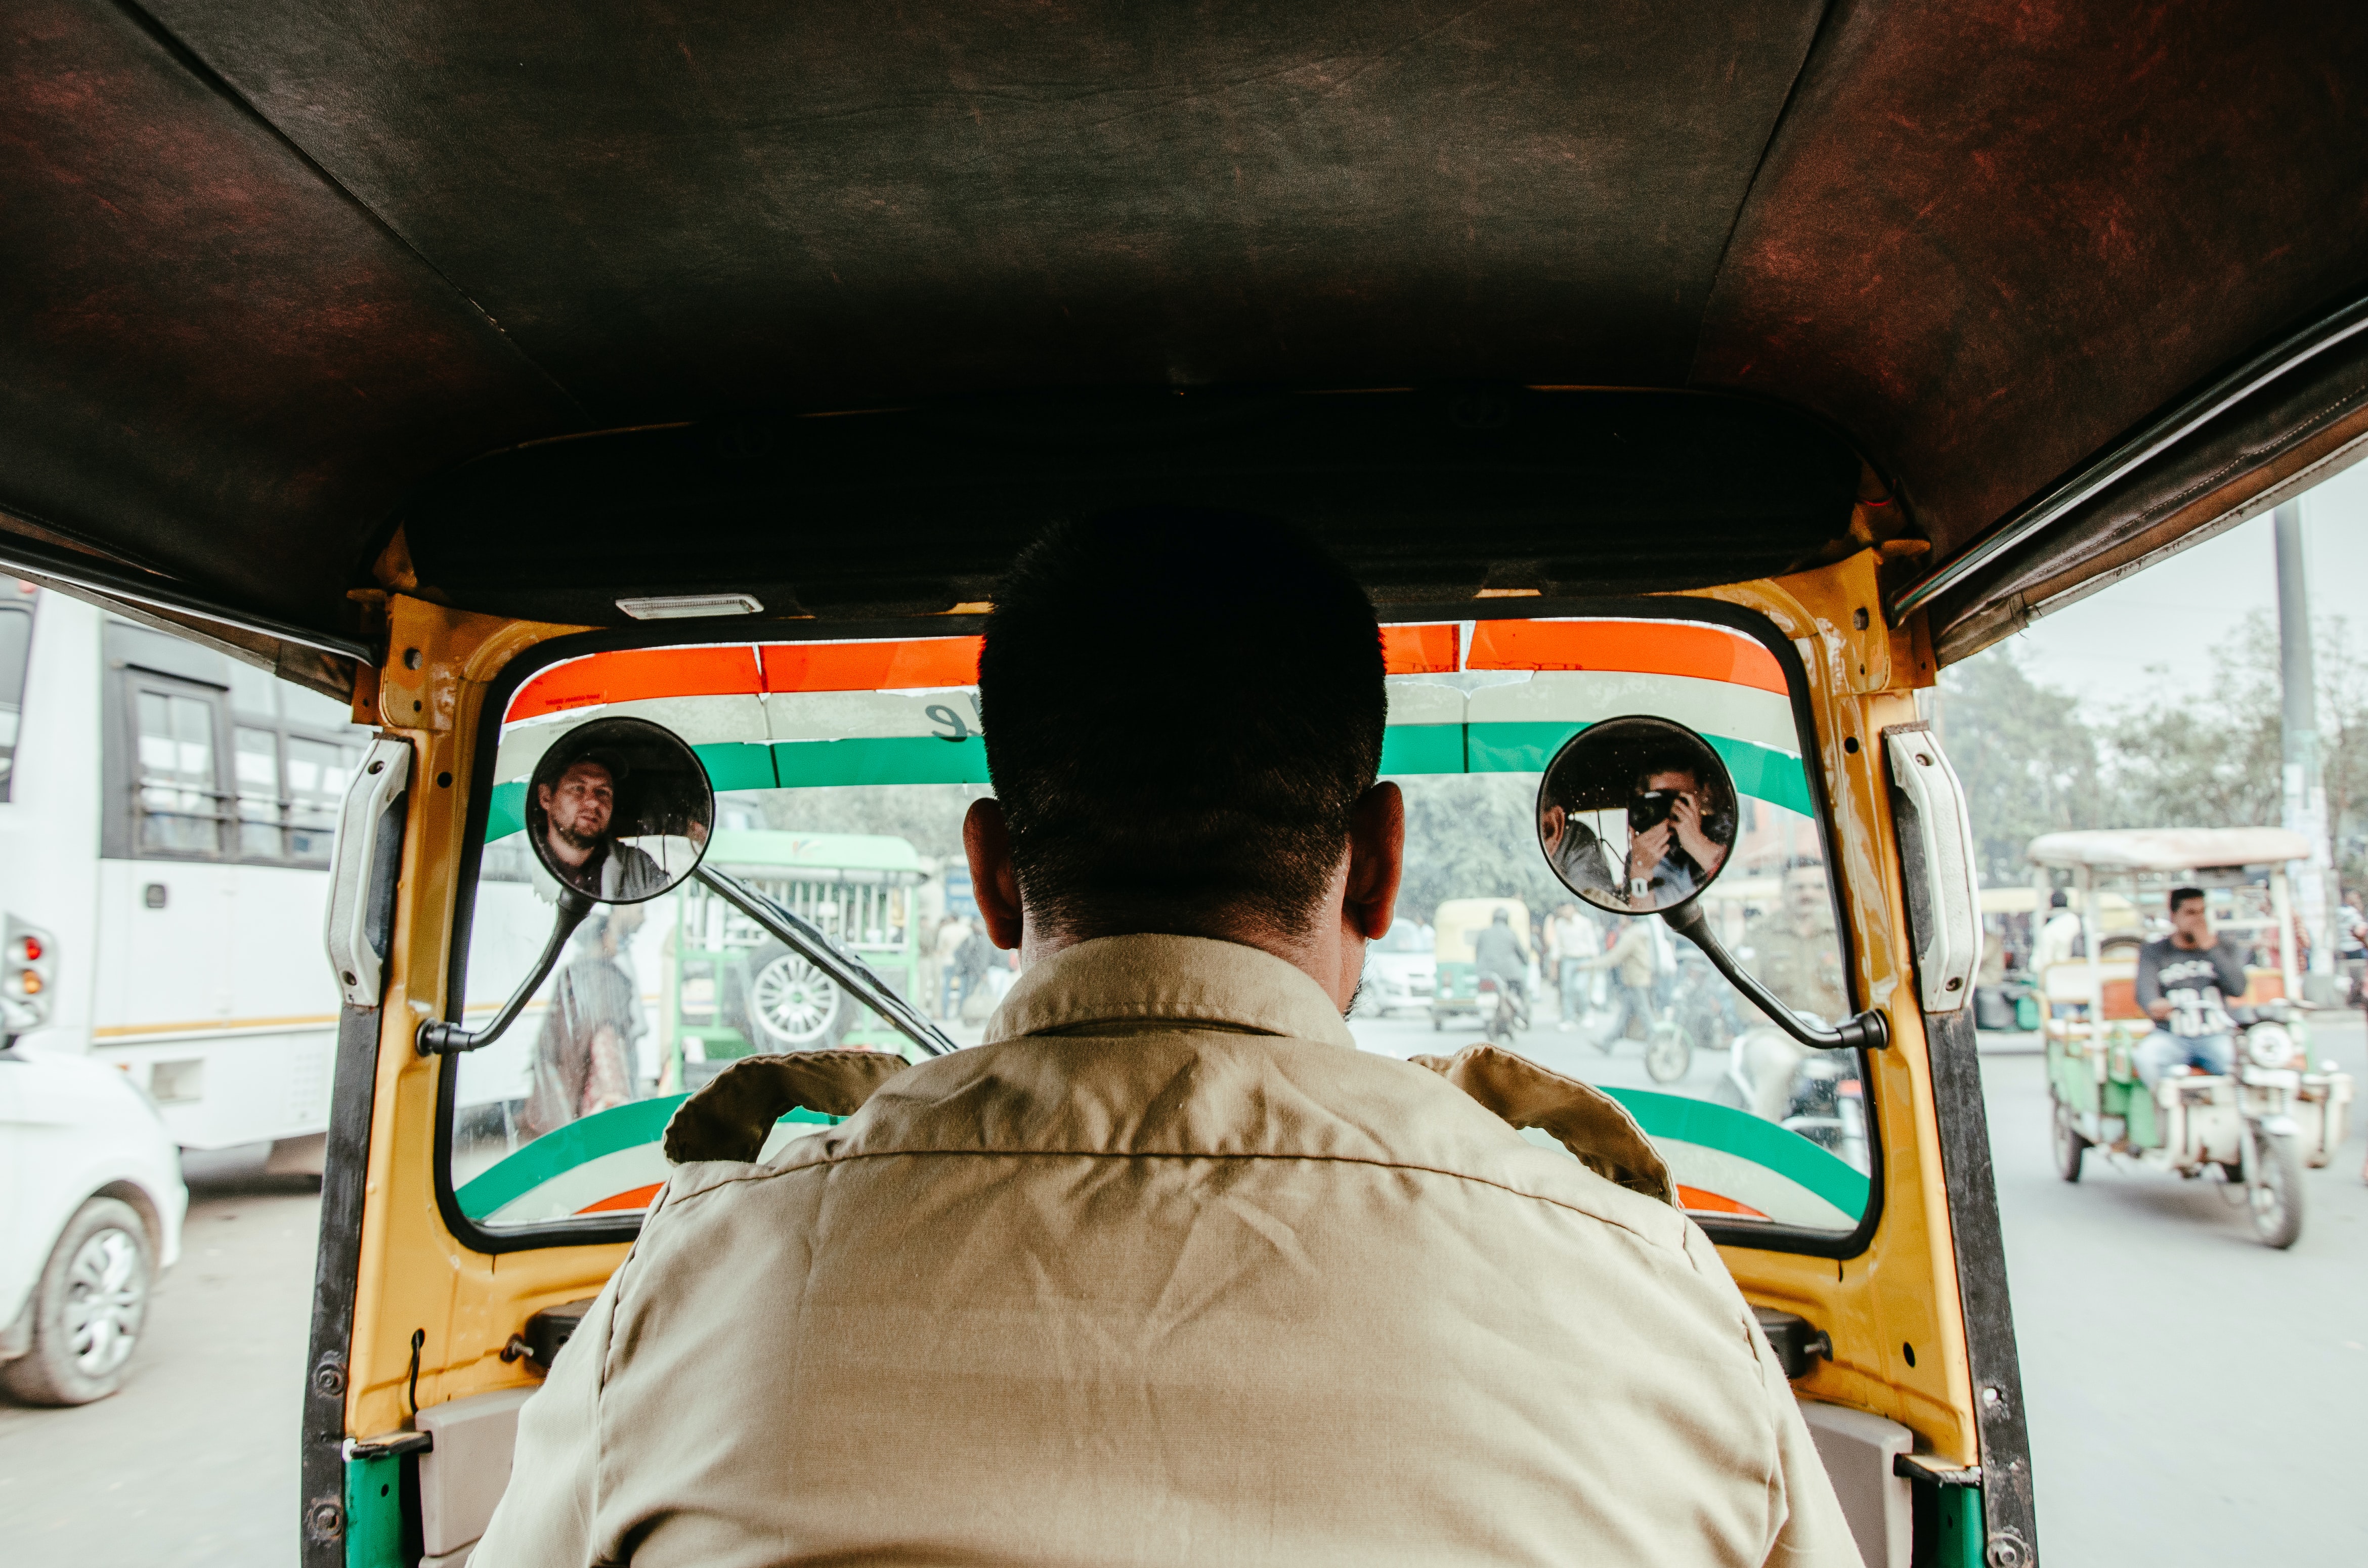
(91, 1203)
(1401, 970)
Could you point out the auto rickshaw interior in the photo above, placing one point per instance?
(500, 369)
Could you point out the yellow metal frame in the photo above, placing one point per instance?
(1901, 1292)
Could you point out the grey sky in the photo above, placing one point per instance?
(2178, 612)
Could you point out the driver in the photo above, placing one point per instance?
(1166, 1271)
(1670, 861)
(2186, 983)
(577, 808)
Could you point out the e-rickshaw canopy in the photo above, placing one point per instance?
(527, 306)
(2169, 849)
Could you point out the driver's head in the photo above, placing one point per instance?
(1502, 918)
(2190, 915)
(1805, 890)
(578, 803)
(1182, 711)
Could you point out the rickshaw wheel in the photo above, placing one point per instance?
(2069, 1143)
(2275, 1194)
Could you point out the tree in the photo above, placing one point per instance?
(1473, 836)
(2028, 761)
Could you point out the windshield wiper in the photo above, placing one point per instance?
(805, 937)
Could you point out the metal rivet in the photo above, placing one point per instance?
(325, 1520)
(1923, 761)
(2006, 1549)
(329, 1377)
(443, 781)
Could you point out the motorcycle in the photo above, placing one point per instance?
(1504, 1011)
(1817, 1094)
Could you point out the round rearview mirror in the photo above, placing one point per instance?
(1636, 814)
(620, 809)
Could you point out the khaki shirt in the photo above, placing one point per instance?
(1167, 1272)
(1803, 967)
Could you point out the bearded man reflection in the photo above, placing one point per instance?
(578, 810)
(584, 1059)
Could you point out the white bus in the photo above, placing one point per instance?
(166, 814)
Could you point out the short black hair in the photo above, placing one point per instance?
(1181, 709)
(2057, 900)
(2180, 895)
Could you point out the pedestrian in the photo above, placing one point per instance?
(2060, 940)
(952, 934)
(971, 962)
(583, 1056)
(1570, 938)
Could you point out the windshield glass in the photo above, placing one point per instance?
(842, 773)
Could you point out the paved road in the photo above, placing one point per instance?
(2194, 1398)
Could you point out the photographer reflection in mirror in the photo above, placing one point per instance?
(618, 811)
(1678, 835)
(1636, 814)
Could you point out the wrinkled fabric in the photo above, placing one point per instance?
(1166, 1273)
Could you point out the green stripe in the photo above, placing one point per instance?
(1740, 1133)
(1768, 775)
(580, 1143)
(1422, 748)
(883, 759)
(1772, 776)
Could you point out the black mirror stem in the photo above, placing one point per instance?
(1867, 1031)
(437, 1038)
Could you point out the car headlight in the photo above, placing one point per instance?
(2270, 1045)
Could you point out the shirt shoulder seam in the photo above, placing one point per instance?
(767, 1174)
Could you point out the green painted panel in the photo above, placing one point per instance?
(1962, 1539)
(374, 1514)
(1746, 1137)
(508, 813)
(564, 1148)
(1774, 777)
(885, 759)
(1422, 748)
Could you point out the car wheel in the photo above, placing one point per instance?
(794, 1005)
(88, 1308)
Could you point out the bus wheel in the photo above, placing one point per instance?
(88, 1309)
(793, 1004)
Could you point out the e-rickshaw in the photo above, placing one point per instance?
(2254, 1127)
(710, 366)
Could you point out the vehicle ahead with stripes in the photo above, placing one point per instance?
(169, 812)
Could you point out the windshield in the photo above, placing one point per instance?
(842, 773)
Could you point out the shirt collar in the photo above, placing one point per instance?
(1185, 979)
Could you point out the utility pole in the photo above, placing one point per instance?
(2306, 793)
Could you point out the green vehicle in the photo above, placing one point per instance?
(732, 991)
(2253, 1128)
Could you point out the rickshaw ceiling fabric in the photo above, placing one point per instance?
(280, 269)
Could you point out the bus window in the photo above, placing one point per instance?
(259, 794)
(16, 645)
(318, 773)
(843, 772)
(177, 791)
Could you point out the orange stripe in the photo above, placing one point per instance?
(1641, 647)
(871, 666)
(639, 1197)
(1701, 1202)
(635, 674)
(1418, 650)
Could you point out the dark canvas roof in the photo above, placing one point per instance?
(278, 269)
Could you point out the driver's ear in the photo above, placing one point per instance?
(986, 844)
